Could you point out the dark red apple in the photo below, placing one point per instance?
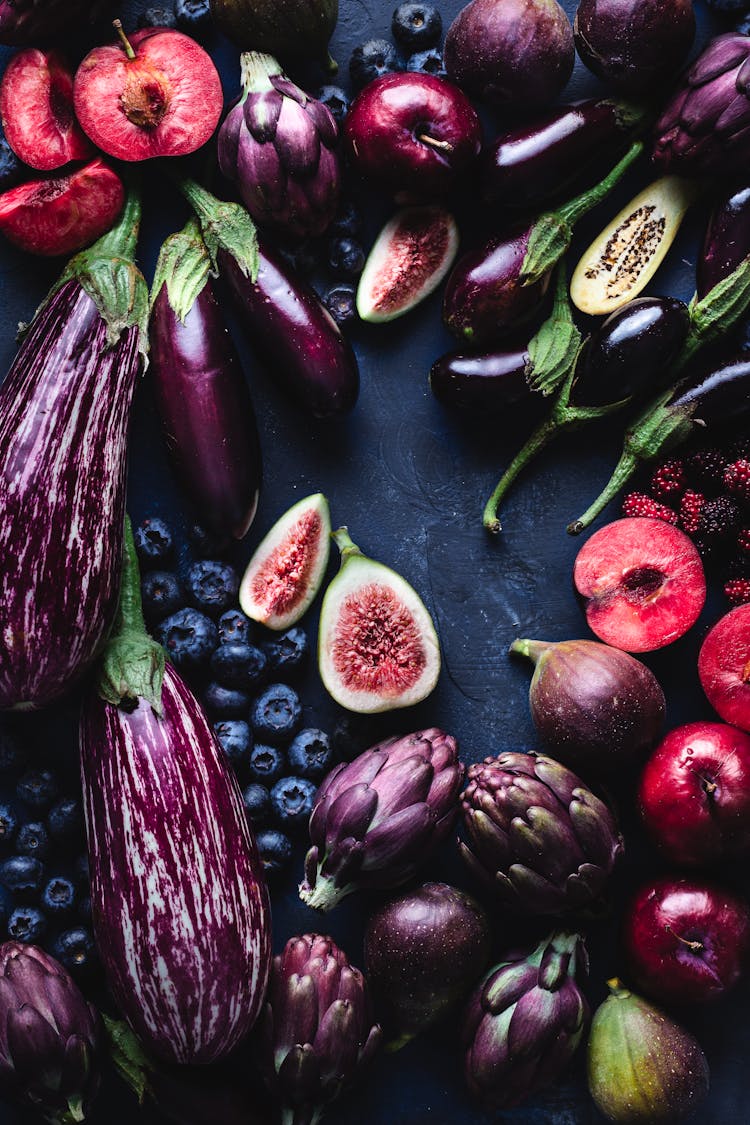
(36, 108)
(156, 94)
(695, 794)
(642, 583)
(724, 667)
(413, 134)
(62, 214)
(686, 941)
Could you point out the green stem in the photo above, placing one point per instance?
(256, 70)
(617, 988)
(225, 226)
(330, 66)
(183, 266)
(553, 351)
(345, 544)
(532, 650)
(572, 211)
(126, 44)
(540, 438)
(623, 471)
(122, 240)
(325, 894)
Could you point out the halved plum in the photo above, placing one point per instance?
(724, 667)
(62, 214)
(642, 582)
(36, 108)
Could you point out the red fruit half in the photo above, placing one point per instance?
(724, 667)
(165, 100)
(695, 794)
(36, 107)
(64, 214)
(642, 582)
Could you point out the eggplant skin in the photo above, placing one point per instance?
(64, 414)
(180, 906)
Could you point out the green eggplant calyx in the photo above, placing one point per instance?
(128, 1057)
(554, 350)
(183, 266)
(549, 238)
(225, 226)
(716, 313)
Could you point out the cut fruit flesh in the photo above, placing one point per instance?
(287, 568)
(621, 261)
(377, 646)
(724, 667)
(36, 107)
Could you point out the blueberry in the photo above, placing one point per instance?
(11, 168)
(341, 302)
(239, 665)
(161, 595)
(267, 763)
(193, 16)
(12, 757)
(275, 850)
(224, 702)
(302, 257)
(276, 713)
(32, 840)
(38, 788)
(292, 800)
(728, 6)
(234, 628)
(336, 100)
(59, 896)
(84, 909)
(428, 62)
(65, 818)
(288, 651)
(189, 638)
(346, 257)
(8, 825)
(235, 739)
(157, 17)
(371, 60)
(310, 754)
(416, 26)
(742, 25)
(348, 220)
(21, 874)
(81, 869)
(206, 543)
(74, 948)
(257, 802)
(26, 924)
(154, 541)
(212, 586)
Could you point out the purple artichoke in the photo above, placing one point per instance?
(538, 837)
(48, 1036)
(377, 819)
(279, 146)
(525, 1021)
(315, 1034)
(706, 125)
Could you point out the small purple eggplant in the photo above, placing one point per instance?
(423, 952)
(201, 394)
(727, 241)
(635, 45)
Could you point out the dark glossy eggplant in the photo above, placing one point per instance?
(201, 394)
(531, 164)
(285, 320)
(635, 46)
(727, 240)
(291, 29)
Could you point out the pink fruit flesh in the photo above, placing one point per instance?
(61, 215)
(377, 647)
(165, 102)
(36, 107)
(284, 576)
(643, 583)
(724, 667)
(695, 794)
(420, 248)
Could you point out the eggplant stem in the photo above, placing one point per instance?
(622, 473)
(433, 142)
(122, 240)
(540, 438)
(127, 45)
(572, 211)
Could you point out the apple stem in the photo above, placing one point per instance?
(127, 46)
(433, 142)
(709, 787)
(693, 946)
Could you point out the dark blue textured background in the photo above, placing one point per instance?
(411, 481)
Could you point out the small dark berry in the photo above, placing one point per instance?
(310, 754)
(225, 703)
(212, 586)
(59, 896)
(189, 638)
(737, 479)
(37, 788)
(335, 100)
(346, 257)
(371, 60)
(742, 25)
(720, 518)
(275, 850)
(65, 818)
(193, 16)
(161, 595)
(8, 825)
(27, 924)
(348, 220)
(11, 168)
(668, 481)
(157, 17)
(743, 541)
(292, 799)
(287, 652)
(267, 764)
(239, 665)
(154, 542)
(81, 869)
(21, 874)
(341, 302)
(641, 504)
(427, 62)
(234, 628)
(32, 840)
(416, 26)
(235, 739)
(706, 468)
(74, 949)
(276, 713)
(12, 757)
(257, 801)
(206, 543)
(737, 590)
(301, 257)
(691, 507)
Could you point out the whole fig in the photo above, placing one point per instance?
(635, 45)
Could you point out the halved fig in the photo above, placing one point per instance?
(411, 256)
(36, 108)
(621, 261)
(286, 571)
(377, 645)
(62, 214)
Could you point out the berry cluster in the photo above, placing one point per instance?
(707, 494)
(417, 29)
(240, 671)
(190, 16)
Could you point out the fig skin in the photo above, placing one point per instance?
(596, 709)
(635, 46)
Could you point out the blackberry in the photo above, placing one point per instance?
(737, 591)
(154, 542)
(371, 60)
(27, 924)
(640, 504)
(310, 754)
(743, 541)
(292, 800)
(415, 26)
(32, 840)
(691, 506)
(212, 586)
(668, 481)
(719, 518)
(37, 788)
(276, 713)
(706, 468)
(737, 479)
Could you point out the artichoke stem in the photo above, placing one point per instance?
(324, 895)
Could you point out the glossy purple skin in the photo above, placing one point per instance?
(35, 21)
(383, 128)
(717, 396)
(727, 241)
(487, 381)
(484, 299)
(634, 45)
(180, 906)
(206, 412)
(295, 335)
(64, 408)
(532, 164)
(423, 952)
(517, 52)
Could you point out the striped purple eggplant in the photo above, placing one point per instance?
(64, 414)
(201, 394)
(180, 906)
